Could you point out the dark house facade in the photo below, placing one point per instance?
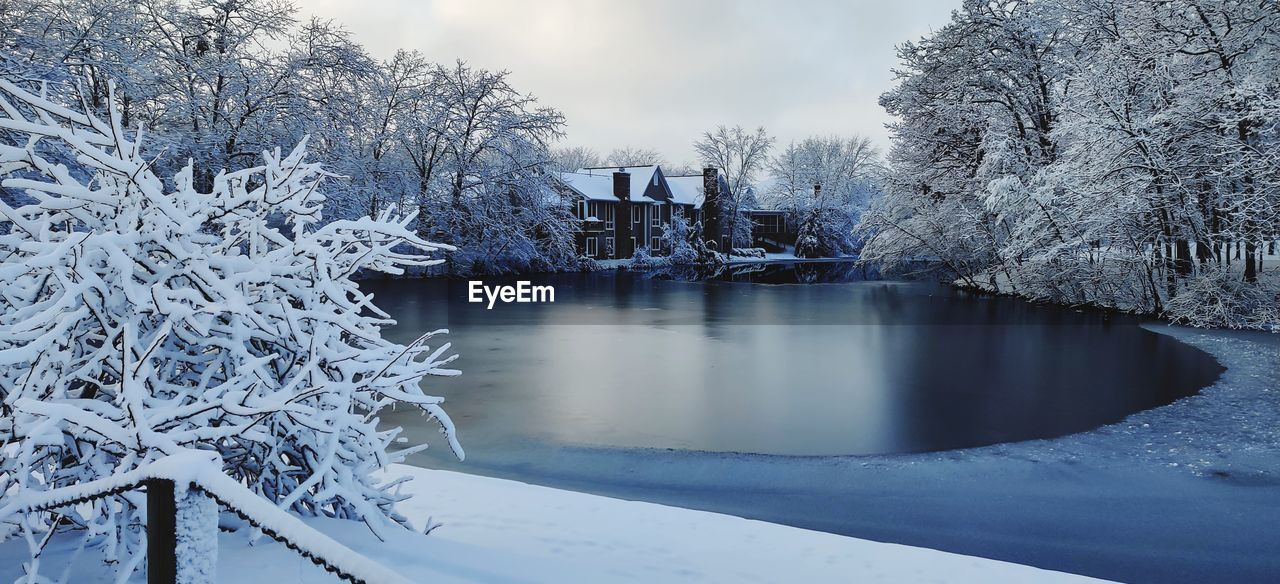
(622, 209)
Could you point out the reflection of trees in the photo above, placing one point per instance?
(828, 273)
(762, 273)
(745, 271)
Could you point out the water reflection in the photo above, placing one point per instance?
(854, 367)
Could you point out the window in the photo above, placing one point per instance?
(608, 216)
(591, 247)
(657, 217)
(582, 209)
(608, 246)
(655, 243)
(633, 245)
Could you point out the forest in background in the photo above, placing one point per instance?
(220, 82)
(1104, 152)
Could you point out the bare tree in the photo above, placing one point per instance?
(571, 158)
(740, 154)
(633, 156)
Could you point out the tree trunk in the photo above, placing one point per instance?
(1182, 263)
(1203, 250)
(1251, 261)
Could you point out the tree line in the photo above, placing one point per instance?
(219, 82)
(1115, 153)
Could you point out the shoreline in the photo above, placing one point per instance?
(617, 266)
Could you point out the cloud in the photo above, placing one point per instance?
(657, 73)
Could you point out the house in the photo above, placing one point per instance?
(625, 208)
(770, 229)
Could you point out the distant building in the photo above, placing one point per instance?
(623, 208)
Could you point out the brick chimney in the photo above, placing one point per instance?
(622, 185)
(711, 205)
(622, 220)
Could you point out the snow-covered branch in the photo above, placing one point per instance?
(141, 317)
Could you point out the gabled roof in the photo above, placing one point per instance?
(687, 189)
(596, 184)
(642, 177)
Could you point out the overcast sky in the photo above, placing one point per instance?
(657, 73)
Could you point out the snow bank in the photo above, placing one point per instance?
(494, 530)
(589, 538)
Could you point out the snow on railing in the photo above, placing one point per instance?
(184, 479)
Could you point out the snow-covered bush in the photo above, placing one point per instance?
(677, 239)
(1219, 297)
(140, 317)
(643, 259)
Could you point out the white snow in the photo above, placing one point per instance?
(197, 537)
(601, 539)
(494, 530)
(686, 190)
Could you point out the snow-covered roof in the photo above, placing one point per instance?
(596, 184)
(595, 187)
(641, 177)
(686, 190)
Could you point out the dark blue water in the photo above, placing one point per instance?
(806, 359)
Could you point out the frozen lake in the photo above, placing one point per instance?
(834, 366)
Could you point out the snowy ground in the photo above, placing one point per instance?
(494, 530)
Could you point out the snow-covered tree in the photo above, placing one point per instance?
(740, 154)
(634, 156)
(825, 183)
(571, 158)
(1081, 151)
(217, 82)
(142, 316)
(485, 155)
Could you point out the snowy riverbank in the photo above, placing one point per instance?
(494, 530)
